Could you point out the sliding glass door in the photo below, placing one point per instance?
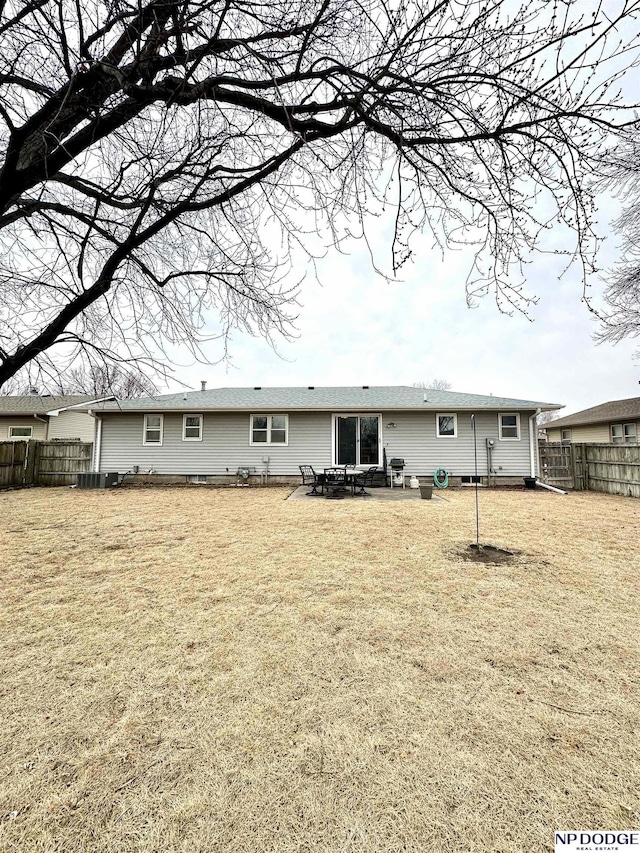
(357, 439)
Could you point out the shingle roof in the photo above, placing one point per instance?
(356, 398)
(615, 410)
(40, 404)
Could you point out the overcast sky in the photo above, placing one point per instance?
(357, 329)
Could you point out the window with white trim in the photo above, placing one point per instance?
(153, 429)
(269, 429)
(565, 435)
(20, 432)
(624, 433)
(509, 426)
(192, 427)
(447, 426)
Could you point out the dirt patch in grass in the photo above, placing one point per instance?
(488, 554)
(226, 670)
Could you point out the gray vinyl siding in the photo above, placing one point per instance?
(38, 428)
(71, 425)
(225, 444)
(414, 439)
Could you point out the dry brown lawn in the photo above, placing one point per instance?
(224, 670)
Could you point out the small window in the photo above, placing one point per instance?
(624, 433)
(447, 426)
(20, 432)
(269, 429)
(192, 428)
(153, 429)
(509, 426)
(565, 435)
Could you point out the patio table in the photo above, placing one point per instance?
(349, 475)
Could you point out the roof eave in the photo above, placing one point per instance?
(431, 407)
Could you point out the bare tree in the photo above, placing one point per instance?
(14, 387)
(622, 294)
(545, 418)
(434, 385)
(105, 380)
(166, 162)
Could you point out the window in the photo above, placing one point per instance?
(269, 429)
(624, 433)
(192, 428)
(153, 429)
(509, 427)
(447, 426)
(20, 432)
(565, 435)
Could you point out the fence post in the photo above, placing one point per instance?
(576, 466)
(29, 463)
(36, 463)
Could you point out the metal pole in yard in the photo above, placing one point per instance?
(475, 457)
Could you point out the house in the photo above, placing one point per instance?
(616, 422)
(208, 435)
(45, 417)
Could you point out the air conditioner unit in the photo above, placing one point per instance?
(97, 480)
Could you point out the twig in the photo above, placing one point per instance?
(566, 710)
(476, 691)
(135, 778)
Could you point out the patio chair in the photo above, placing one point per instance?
(335, 480)
(361, 481)
(310, 478)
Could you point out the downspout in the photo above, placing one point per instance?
(533, 441)
(46, 423)
(97, 444)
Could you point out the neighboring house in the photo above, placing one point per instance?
(208, 435)
(616, 422)
(45, 417)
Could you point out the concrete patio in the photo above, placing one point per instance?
(376, 494)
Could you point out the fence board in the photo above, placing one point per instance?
(610, 468)
(555, 464)
(59, 463)
(43, 463)
(613, 468)
(12, 463)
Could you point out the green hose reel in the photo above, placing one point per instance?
(440, 478)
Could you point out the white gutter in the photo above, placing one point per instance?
(56, 412)
(533, 441)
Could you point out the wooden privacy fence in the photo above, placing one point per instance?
(43, 463)
(555, 464)
(13, 455)
(611, 468)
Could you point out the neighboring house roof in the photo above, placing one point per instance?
(33, 404)
(615, 410)
(356, 398)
